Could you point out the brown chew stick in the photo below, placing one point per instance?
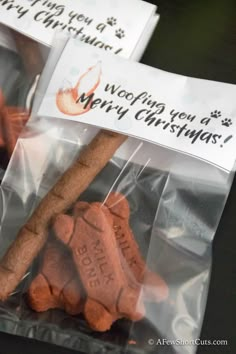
(32, 236)
(30, 53)
(57, 285)
(93, 245)
(155, 288)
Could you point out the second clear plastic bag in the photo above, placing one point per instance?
(21, 62)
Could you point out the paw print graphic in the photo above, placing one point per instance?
(227, 122)
(215, 114)
(111, 21)
(120, 33)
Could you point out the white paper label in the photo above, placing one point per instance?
(193, 116)
(114, 25)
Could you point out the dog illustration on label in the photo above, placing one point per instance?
(67, 99)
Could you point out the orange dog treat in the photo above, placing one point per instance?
(93, 245)
(57, 285)
(33, 235)
(12, 121)
(155, 287)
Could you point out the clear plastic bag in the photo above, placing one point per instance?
(27, 34)
(175, 204)
(18, 78)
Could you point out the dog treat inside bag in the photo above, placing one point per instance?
(110, 249)
(21, 62)
(26, 35)
(13, 114)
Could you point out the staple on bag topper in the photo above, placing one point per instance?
(192, 116)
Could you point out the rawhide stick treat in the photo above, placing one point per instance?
(30, 53)
(109, 294)
(57, 285)
(155, 288)
(33, 235)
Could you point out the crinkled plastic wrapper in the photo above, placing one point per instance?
(175, 202)
(21, 61)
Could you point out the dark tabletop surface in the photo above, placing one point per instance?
(195, 38)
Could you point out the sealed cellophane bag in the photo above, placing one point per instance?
(21, 60)
(110, 205)
(26, 35)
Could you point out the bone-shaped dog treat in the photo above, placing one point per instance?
(117, 212)
(95, 253)
(79, 210)
(155, 287)
(57, 285)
